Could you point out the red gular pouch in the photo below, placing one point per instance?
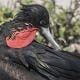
(23, 38)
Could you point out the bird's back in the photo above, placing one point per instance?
(12, 71)
(41, 61)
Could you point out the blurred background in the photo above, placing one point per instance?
(64, 20)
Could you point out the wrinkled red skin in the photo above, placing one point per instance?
(23, 38)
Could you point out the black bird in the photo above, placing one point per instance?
(31, 19)
(18, 46)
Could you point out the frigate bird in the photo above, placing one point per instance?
(28, 21)
(17, 45)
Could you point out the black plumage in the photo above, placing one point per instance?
(29, 16)
(50, 64)
(45, 62)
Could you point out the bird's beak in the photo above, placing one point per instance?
(46, 33)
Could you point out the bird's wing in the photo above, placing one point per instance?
(52, 64)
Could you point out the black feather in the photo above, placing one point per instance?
(51, 64)
(44, 61)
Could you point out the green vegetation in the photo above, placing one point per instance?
(5, 14)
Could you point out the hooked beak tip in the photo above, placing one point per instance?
(46, 33)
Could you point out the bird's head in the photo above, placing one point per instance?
(37, 16)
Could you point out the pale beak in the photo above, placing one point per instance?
(46, 33)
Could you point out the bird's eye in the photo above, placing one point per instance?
(42, 22)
